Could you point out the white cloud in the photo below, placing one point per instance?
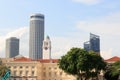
(107, 54)
(88, 2)
(104, 25)
(108, 27)
(15, 33)
(60, 45)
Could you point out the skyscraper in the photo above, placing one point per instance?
(93, 44)
(87, 45)
(12, 47)
(36, 36)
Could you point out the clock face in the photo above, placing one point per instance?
(46, 48)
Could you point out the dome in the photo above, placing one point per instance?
(47, 37)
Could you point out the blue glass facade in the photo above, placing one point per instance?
(93, 44)
(87, 45)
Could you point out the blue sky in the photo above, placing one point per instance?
(67, 22)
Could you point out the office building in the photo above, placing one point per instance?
(12, 47)
(36, 36)
(93, 44)
(47, 48)
(87, 45)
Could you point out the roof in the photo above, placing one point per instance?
(22, 59)
(113, 59)
(25, 59)
(48, 60)
(19, 56)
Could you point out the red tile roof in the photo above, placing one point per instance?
(113, 59)
(22, 59)
(48, 60)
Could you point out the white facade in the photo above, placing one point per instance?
(47, 48)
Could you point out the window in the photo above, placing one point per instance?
(46, 43)
(33, 66)
(44, 74)
(20, 73)
(21, 67)
(55, 73)
(49, 73)
(44, 68)
(15, 67)
(26, 73)
(32, 73)
(49, 68)
(60, 73)
(55, 68)
(26, 66)
(15, 73)
(9, 67)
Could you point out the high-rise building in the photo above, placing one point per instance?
(93, 44)
(36, 36)
(47, 48)
(87, 45)
(12, 47)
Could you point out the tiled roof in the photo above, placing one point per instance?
(113, 59)
(22, 59)
(48, 60)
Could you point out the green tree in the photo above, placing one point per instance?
(113, 71)
(81, 63)
(97, 64)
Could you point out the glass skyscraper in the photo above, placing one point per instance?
(87, 45)
(93, 44)
(36, 36)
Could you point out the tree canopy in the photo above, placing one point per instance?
(81, 63)
(113, 71)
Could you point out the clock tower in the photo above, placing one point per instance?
(47, 48)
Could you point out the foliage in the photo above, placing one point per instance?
(3, 69)
(113, 71)
(81, 63)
